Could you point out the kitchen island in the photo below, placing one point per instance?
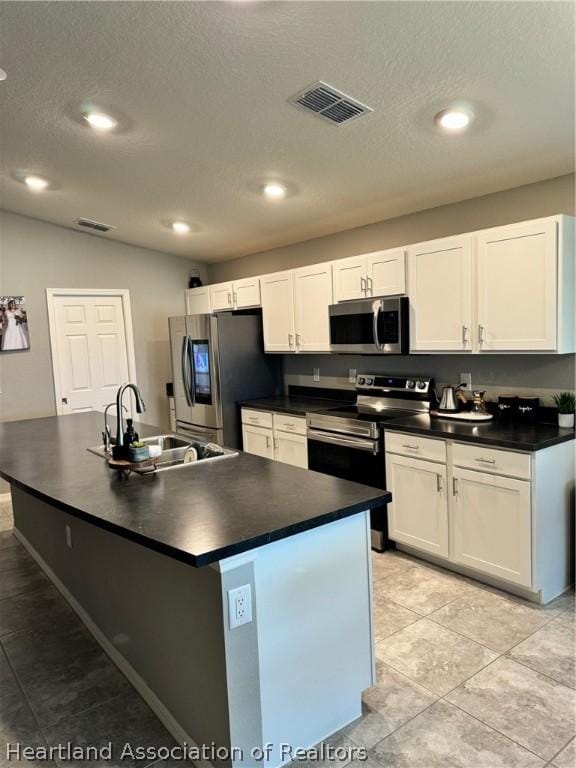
(148, 562)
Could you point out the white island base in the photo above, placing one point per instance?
(292, 676)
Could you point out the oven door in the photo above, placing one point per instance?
(370, 326)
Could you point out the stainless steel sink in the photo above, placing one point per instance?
(173, 454)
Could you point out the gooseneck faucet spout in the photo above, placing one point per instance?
(140, 408)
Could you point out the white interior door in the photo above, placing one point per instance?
(517, 291)
(90, 351)
(440, 287)
(312, 297)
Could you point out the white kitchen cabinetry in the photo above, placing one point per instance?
(418, 514)
(198, 301)
(278, 312)
(382, 273)
(312, 297)
(499, 515)
(440, 289)
(516, 289)
(275, 436)
(491, 524)
(239, 294)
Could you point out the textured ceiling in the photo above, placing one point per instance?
(201, 87)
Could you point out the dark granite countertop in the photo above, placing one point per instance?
(517, 437)
(198, 514)
(295, 405)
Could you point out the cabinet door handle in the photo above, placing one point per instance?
(487, 461)
(267, 442)
(411, 447)
(370, 285)
(481, 330)
(439, 486)
(275, 444)
(229, 299)
(363, 285)
(298, 340)
(235, 298)
(290, 340)
(464, 334)
(454, 486)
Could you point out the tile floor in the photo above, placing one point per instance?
(467, 676)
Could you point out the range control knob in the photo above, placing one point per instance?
(361, 380)
(369, 381)
(410, 384)
(421, 385)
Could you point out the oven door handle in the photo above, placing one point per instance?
(376, 307)
(370, 446)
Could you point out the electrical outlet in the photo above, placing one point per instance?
(240, 606)
(68, 537)
(316, 374)
(352, 375)
(466, 379)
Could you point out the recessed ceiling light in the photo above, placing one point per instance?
(36, 183)
(100, 121)
(3, 74)
(274, 191)
(181, 227)
(453, 119)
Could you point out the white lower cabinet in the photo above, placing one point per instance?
(418, 514)
(491, 524)
(258, 440)
(282, 439)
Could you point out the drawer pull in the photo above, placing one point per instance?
(411, 447)
(487, 461)
(439, 486)
(454, 486)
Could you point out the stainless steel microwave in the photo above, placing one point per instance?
(370, 326)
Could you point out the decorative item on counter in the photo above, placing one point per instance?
(138, 451)
(507, 407)
(479, 404)
(451, 399)
(154, 451)
(211, 450)
(566, 404)
(130, 436)
(528, 409)
(194, 280)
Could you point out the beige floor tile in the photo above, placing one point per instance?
(444, 736)
(529, 708)
(421, 589)
(552, 650)
(567, 757)
(386, 563)
(433, 656)
(386, 706)
(389, 617)
(491, 619)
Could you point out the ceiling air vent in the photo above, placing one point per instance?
(95, 226)
(329, 103)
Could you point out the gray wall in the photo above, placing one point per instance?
(544, 198)
(34, 256)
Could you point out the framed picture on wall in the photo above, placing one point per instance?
(14, 335)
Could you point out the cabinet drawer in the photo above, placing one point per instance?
(286, 423)
(257, 418)
(487, 459)
(416, 446)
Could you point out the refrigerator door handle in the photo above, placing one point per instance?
(192, 377)
(184, 366)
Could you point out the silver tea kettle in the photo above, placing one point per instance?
(449, 400)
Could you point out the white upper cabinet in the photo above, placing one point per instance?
(198, 301)
(312, 297)
(440, 288)
(239, 294)
(221, 297)
(517, 296)
(382, 273)
(278, 312)
(386, 273)
(349, 278)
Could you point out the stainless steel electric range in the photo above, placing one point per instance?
(348, 442)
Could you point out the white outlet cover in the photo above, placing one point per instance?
(316, 374)
(240, 606)
(466, 379)
(352, 375)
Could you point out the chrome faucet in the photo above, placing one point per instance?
(140, 408)
(107, 435)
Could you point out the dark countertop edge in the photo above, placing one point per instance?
(292, 410)
(497, 442)
(217, 554)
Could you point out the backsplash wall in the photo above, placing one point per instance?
(539, 375)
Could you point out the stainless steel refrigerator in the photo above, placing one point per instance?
(218, 360)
